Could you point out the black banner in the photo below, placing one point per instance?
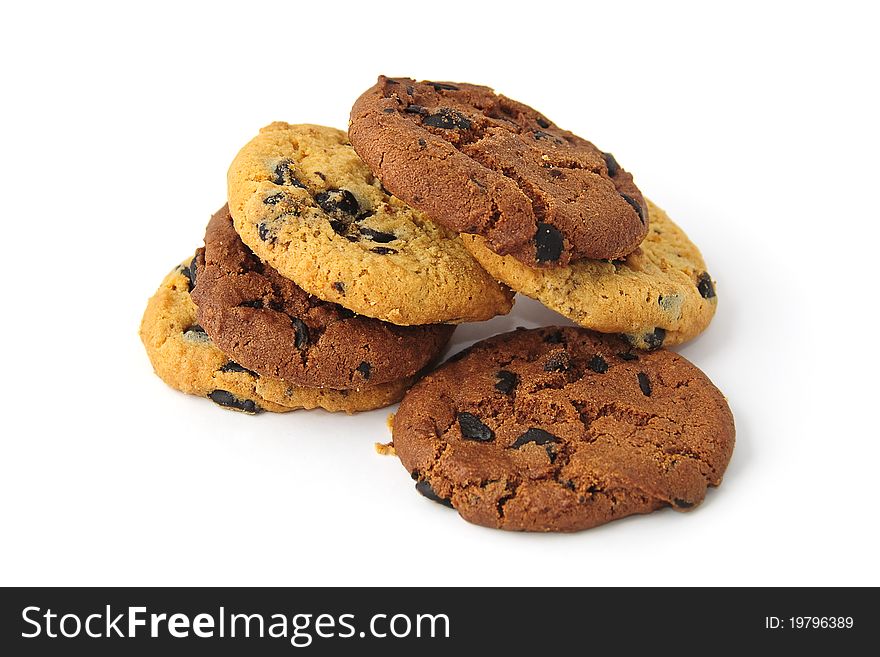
(420, 621)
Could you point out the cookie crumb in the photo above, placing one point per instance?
(384, 449)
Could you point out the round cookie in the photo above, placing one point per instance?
(562, 429)
(659, 295)
(275, 328)
(481, 163)
(307, 205)
(184, 357)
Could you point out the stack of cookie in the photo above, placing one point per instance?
(335, 276)
(315, 286)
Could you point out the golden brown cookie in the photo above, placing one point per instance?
(659, 295)
(184, 357)
(478, 162)
(307, 205)
(272, 326)
(562, 429)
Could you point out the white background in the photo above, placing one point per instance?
(753, 125)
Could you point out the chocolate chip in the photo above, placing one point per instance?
(682, 504)
(195, 333)
(383, 250)
(548, 243)
(364, 370)
(705, 285)
(363, 215)
(611, 163)
(598, 364)
(645, 384)
(190, 274)
(377, 235)
(415, 109)
(256, 303)
(410, 90)
(541, 121)
(274, 199)
(339, 286)
(440, 85)
(232, 366)
(557, 363)
(636, 206)
(554, 338)
(540, 134)
(389, 110)
(473, 429)
(339, 227)
(422, 143)
(626, 355)
(654, 340)
(228, 400)
(266, 234)
(302, 333)
(537, 436)
(284, 175)
(425, 490)
(337, 200)
(447, 119)
(506, 381)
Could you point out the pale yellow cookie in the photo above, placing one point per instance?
(305, 203)
(659, 295)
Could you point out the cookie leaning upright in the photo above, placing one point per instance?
(561, 429)
(481, 163)
(306, 204)
(659, 295)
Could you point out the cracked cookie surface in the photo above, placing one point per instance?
(307, 205)
(275, 328)
(659, 295)
(562, 429)
(481, 163)
(185, 358)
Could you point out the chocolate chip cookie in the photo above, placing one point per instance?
(480, 163)
(562, 429)
(307, 205)
(275, 328)
(659, 295)
(185, 358)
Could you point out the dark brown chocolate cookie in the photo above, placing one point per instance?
(484, 164)
(269, 325)
(561, 429)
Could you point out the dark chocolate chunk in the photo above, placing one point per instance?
(363, 215)
(598, 364)
(654, 340)
(302, 333)
(228, 400)
(190, 273)
(636, 206)
(422, 143)
(473, 429)
(548, 243)
(274, 198)
(611, 163)
(440, 85)
(415, 109)
(364, 370)
(506, 381)
(410, 90)
(284, 175)
(705, 285)
(339, 286)
(645, 384)
(425, 490)
(337, 200)
(540, 134)
(340, 227)
(389, 110)
(535, 435)
(383, 250)
(682, 504)
(232, 366)
(377, 235)
(541, 121)
(554, 338)
(266, 233)
(448, 119)
(627, 355)
(559, 362)
(256, 303)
